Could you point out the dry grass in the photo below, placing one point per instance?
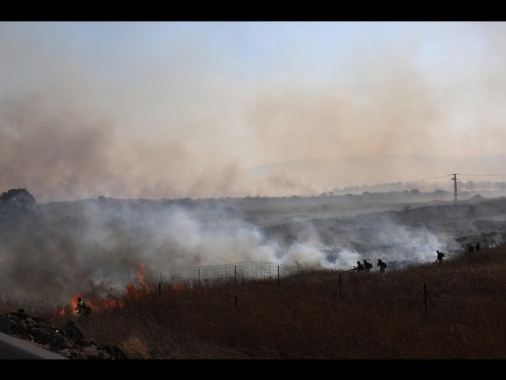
(135, 348)
(456, 310)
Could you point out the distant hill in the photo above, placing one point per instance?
(357, 170)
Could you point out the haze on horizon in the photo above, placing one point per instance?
(184, 109)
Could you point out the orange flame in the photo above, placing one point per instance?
(74, 303)
(60, 312)
(98, 304)
(134, 292)
(140, 274)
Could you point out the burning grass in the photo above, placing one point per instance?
(456, 310)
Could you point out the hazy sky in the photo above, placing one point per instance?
(183, 109)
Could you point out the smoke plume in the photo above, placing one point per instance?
(99, 244)
(193, 112)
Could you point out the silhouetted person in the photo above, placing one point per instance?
(470, 248)
(81, 307)
(477, 248)
(440, 256)
(359, 266)
(367, 266)
(382, 265)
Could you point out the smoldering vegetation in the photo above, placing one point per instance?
(94, 246)
(406, 236)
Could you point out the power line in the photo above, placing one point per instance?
(454, 178)
(426, 179)
(484, 175)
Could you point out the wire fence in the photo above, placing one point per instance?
(251, 270)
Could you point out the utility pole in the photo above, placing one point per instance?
(454, 179)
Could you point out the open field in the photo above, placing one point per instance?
(418, 309)
(456, 310)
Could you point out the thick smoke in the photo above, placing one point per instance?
(203, 110)
(103, 243)
(99, 245)
(194, 109)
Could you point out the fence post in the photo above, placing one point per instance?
(425, 295)
(340, 293)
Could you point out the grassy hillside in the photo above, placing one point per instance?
(456, 310)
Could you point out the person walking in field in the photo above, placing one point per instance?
(477, 247)
(359, 267)
(367, 266)
(382, 266)
(440, 256)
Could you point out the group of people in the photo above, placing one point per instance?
(471, 248)
(383, 266)
(368, 266)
